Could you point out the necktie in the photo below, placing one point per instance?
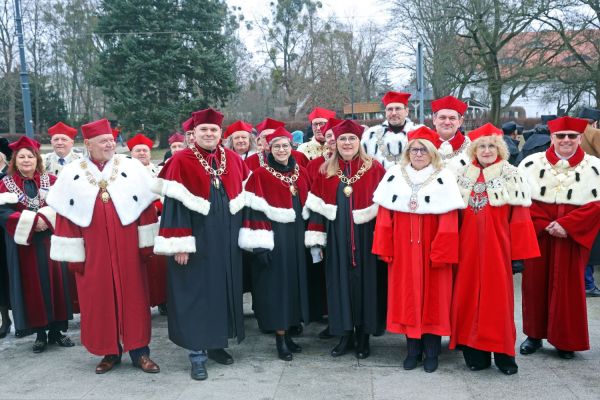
(61, 161)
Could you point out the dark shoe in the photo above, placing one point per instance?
(430, 364)
(107, 363)
(220, 356)
(565, 354)
(346, 343)
(475, 359)
(530, 346)
(282, 350)
(21, 333)
(293, 346)
(364, 348)
(593, 292)
(39, 345)
(147, 365)
(295, 330)
(506, 364)
(162, 309)
(325, 334)
(198, 372)
(410, 362)
(5, 328)
(60, 339)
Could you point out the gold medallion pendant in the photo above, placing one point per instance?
(104, 196)
(293, 190)
(216, 182)
(348, 191)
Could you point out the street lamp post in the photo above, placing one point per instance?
(23, 74)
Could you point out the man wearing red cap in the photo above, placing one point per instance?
(386, 142)
(265, 128)
(452, 144)
(105, 228)
(565, 192)
(316, 147)
(239, 138)
(140, 147)
(62, 139)
(200, 225)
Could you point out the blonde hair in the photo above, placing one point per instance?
(496, 140)
(330, 167)
(436, 160)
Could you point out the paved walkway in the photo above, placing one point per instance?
(258, 374)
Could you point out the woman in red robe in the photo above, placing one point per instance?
(496, 234)
(39, 291)
(417, 235)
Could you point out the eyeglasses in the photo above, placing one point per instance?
(280, 147)
(484, 147)
(318, 124)
(394, 109)
(416, 150)
(349, 139)
(571, 136)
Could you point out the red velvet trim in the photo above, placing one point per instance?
(315, 227)
(263, 184)
(174, 232)
(256, 225)
(573, 161)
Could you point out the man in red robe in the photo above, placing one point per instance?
(105, 227)
(452, 144)
(565, 190)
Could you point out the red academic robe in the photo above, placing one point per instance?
(483, 297)
(554, 304)
(254, 161)
(107, 254)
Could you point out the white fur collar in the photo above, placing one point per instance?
(73, 196)
(437, 197)
(561, 183)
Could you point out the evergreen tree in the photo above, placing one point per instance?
(162, 59)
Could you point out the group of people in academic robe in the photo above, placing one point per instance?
(415, 231)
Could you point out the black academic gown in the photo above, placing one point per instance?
(205, 296)
(4, 293)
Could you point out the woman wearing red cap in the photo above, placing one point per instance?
(417, 235)
(239, 138)
(342, 218)
(273, 229)
(496, 233)
(42, 303)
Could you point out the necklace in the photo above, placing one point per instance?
(385, 152)
(214, 173)
(261, 159)
(462, 147)
(350, 181)
(478, 200)
(32, 203)
(103, 184)
(290, 180)
(413, 202)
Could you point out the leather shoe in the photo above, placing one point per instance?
(39, 346)
(107, 363)
(346, 343)
(5, 328)
(21, 333)
(593, 292)
(198, 371)
(430, 364)
(295, 330)
(364, 348)
(410, 362)
(291, 345)
(565, 354)
(162, 309)
(325, 334)
(283, 352)
(61, 340)
(530, 346)
(147, 365)
(220, 356)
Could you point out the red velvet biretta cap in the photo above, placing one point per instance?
(280, 132)
(348, 126)
(319, 112)
(331, 122)
(268, 123)
(176, 137)
(449, 103)
(396, 97)
(207, 116)
(188, 125)
(25, 142)
(485, 130)
(424, 133)
(567, 124)
(139, 139)
(64, 129)
(236, 127)
(96, 128)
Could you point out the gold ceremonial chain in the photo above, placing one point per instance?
(261, 159)
(456, 152)
(385, 152)
(413, 202)
(350, 181)
(290, 180)
(103, 184)
(32, 203)
(215, 173)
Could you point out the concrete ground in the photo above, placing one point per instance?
(257, 373)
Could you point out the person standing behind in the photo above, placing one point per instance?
(105, 228)
(387, 141)
(62, 138)
(416, 233)
(496, 235)
(342, 218)
(452, 144)
(239, 138)
(565, 190)
(316, 146)
(5, 155)
(199, 228)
